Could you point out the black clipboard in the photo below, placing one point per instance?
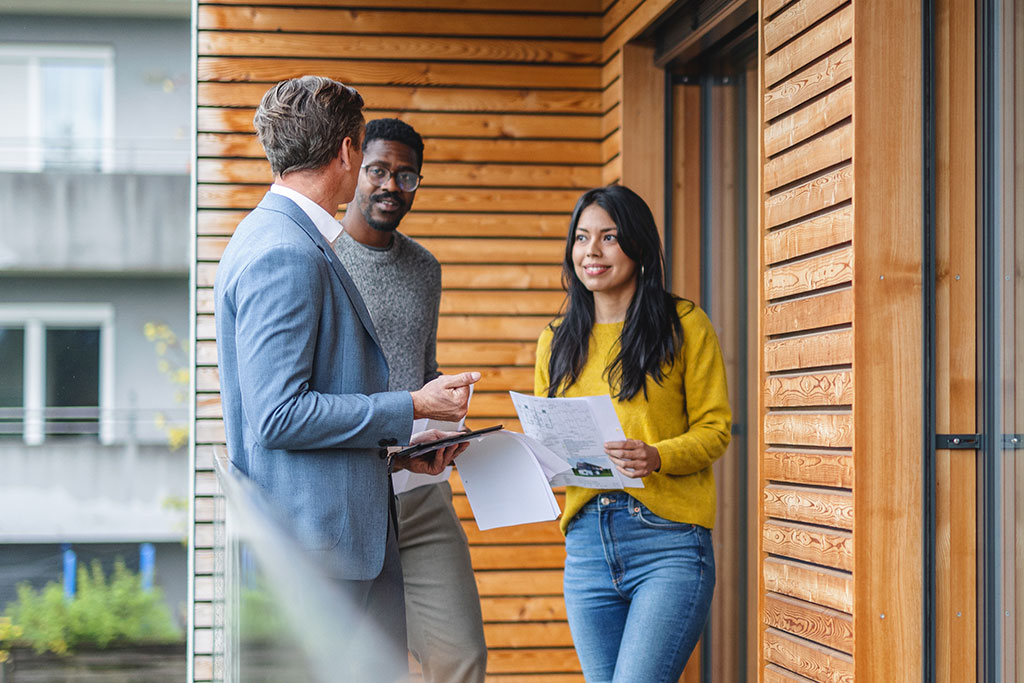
(428, 447)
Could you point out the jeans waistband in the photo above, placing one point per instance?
(610, 500)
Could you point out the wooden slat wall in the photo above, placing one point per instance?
(841, 375)
(521, 107)
(510, 99)
(806, 596)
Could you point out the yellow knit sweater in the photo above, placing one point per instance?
(686, 417)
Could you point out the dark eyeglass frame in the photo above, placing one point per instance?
(398, 177)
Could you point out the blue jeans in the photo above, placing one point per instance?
(637, 590)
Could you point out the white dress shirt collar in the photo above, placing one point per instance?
(324, 222)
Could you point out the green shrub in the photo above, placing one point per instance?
(102, 613)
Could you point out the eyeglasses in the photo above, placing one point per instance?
(407, 181)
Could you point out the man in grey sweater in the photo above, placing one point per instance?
(400, 281)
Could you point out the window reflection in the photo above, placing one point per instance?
(12, 380)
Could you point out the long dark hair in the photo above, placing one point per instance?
(651, 335)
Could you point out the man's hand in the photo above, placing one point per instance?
(436, 461)
(444, 398)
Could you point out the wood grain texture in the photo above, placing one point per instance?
(831, 548)
(528, 660)
(547, 176)
(414, 23)
(776, 674)
(813, 661)
(554, 634)
(809, 120)
(427, 198)
(823, 507)
(815, 468)
(456, 276)
(522, 608)
(643, 129)
(809, 312)
(821, 585)
(435, 149)
(772, 7)
(795, 20)
(431, 124)
(826, 36)
(568, 100)
(540, 6)
(643, 16)
(822, 625)
(497, 327)
(359, 72)
(814, 234)
(809, 350)
(888, 244)
(818, 193)
(531, 582)
(806, 275)
(809, 157)
(464, 48)
(806, 390)
(501, 302)
(686, 204)
(486, 354)
(956, 613)
(809, 82)
(833, 430)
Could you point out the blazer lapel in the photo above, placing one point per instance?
(276, 202)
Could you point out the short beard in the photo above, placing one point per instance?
(382, 226)
(378, 225)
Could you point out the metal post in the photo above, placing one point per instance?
(70, 568)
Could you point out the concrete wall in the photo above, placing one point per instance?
(94, 222)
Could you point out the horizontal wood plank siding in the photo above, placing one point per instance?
(520, 108)
(807, 470)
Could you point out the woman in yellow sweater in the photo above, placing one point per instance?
(639, 567)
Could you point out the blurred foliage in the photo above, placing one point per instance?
(9, 634)
(260, 617)
(172, 361)
(102, 614)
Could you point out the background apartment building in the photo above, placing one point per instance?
(94, 224)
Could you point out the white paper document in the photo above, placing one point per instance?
(575, 430)
(505, 482)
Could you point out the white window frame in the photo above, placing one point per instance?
(35, 318)
(33, 53)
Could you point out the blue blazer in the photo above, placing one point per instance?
(304, 387)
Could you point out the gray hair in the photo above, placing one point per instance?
(302, 122)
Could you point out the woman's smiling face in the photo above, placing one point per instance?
(597, 258)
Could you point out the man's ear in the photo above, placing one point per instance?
(346, 153)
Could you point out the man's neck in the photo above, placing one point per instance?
(358, 229)
(314, 185)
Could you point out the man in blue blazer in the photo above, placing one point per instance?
(303, 379)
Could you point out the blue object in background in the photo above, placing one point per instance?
(70, 570)
(147, 560)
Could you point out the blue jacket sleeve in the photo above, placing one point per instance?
(278, 298)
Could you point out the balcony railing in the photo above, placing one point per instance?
(280, 617)
(123, 424)
(95, 155)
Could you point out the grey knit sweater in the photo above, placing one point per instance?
(401, 286)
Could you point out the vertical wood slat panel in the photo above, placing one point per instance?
(806, 307)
